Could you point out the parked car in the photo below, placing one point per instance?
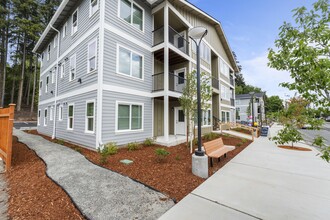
(327, 119)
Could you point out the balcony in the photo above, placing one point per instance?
(178, 40)
(215, 83)
(232, 81)
(176, 82)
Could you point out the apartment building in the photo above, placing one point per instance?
(113, 70)
(244, 107)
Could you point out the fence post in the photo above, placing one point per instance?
(10, 135)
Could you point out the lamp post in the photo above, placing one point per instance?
(197, 34)
(252, 104)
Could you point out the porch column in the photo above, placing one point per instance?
(166, 76)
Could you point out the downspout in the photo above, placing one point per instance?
(56, 76)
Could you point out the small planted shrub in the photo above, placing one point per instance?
(177, 157)
(77, 149)
(195, 141)
(149, 142)
(133, 146)
(210, 136)
(239, 144)
(244, 140)
(161, 154)
(107, 150)
(59, 141)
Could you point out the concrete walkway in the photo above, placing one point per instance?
(97, 192)
(262, 182)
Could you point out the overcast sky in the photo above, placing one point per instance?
(251, 27)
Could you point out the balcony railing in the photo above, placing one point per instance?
(215, 83)
(176, 83)
(176, 39)
(232, 102)
(232, 81)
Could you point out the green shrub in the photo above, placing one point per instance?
(133, 146)
(210, 136)
(149, 142)
(177, 157)
(244, 140)
(107, 150)
(77, 149)
(161, 154)
(239, 145)
(59, 141)
(195, 141)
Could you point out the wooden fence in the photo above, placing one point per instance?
(6, 132)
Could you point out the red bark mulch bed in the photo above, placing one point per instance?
(294, 148)
(172, 177)
(32, 194)
(244, 131)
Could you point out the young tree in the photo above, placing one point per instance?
(273, 104)
(288, 134)
(304, 51)
(188, 99)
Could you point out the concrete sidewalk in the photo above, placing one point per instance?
(98, 193)
(262, 182)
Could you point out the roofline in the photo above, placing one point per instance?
(48, 28)
(214, 20)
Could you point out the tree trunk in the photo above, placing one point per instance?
(13, 90)
(34, 85)
(5, 47)
(28, 92)
(21, 80)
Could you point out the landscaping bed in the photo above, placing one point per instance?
(32, 194)
(294, 148)
(172, 176)
(242, 130)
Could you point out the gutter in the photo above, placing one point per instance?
(56, 77)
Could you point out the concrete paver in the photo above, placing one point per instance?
(98, 193)
(267, 182)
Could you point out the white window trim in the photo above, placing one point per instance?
(48, 52)
(131, 24)
(75, 68)
(68, 121)
(60, 113)
(62, 69)
(90, 8)
(226, 115)
(39, 116)
(86, 118)
(72, 22)
(65, 33)
(51, 113)
(117, 64)
(130, 119)
(45, 118)
(47, 84)
(88, 58)
(40, 87)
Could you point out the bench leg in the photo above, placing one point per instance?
(211, 161)
(225, 155)
(219, 159)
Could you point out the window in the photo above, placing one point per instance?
(90, 117)
(42, 59)
(48, 53)
(47, 82)
(94, 6)
(74, 22)
(39, 115)
(228, 116)
(55, 41)
(205, 51)
(224, 68)
(51, 112)
(40, 87)
(60, 113)
(65, 30)
(70, 117)
(132, 13)
(130, 63)
(62, 70)
(72, 68)
(225, 92)
(45, 118)
(92, 56)
(206, 118)
(129, 117)
(54, 74)
(223, 116)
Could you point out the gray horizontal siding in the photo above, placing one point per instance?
(111, 16)
(108, 118)
(64, 85)
(110, 62)
(51, 86)
(77, 135)
(84, 24)
(47, 130)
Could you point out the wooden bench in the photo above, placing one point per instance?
(216, 149)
